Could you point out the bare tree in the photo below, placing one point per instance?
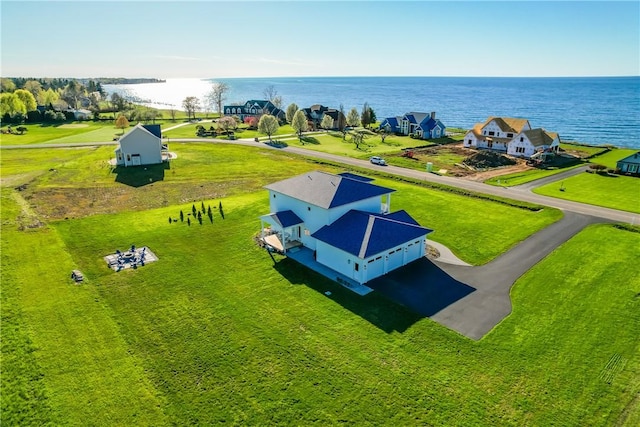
(271, 94)
(191, 104)
(217, 96)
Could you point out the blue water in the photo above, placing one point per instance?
(590, 110)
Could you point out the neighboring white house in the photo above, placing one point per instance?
(495, 133)
(345, 220)
(142, 145)
(511, 135)
(534, 142)
(630, 164)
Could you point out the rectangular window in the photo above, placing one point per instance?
(356, 266)
(509, 135)
(491, 133)
(521, 139)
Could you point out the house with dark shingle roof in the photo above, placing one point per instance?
(346, 221)
(254, 108)
(630, 164)
(513, 136)
(316, 113)
(421, 125)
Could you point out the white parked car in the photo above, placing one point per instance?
(377, 160)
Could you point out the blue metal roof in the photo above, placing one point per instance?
(364, 234)
(356, 177)
(154, 129)
(286, 218)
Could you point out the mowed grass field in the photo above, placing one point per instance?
(615, 191)
(215, 332)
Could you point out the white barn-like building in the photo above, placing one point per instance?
(142, 145)
(346, 221)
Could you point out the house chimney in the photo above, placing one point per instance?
(433, 115)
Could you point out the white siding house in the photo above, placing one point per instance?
(142, 145)
(513, 136)
(346, 221)
(528, 143)
(495, 133)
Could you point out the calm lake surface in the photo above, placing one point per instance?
(590, 110)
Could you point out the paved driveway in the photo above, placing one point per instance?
(472, 300)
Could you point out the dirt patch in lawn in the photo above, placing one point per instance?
(465, 162)
(68, 203)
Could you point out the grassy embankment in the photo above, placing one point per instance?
(213, 332)
(613, 191)
(584, 152)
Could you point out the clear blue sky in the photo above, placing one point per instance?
(209, 39)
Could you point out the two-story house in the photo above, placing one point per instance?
(142, 145)
(346, 221)
(511, 135)
(254, 108)
(421, 125)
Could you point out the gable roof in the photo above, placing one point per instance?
(633, 158)
(539, 136)
(327, 190)
(364, 234)
(508, 124)
(285, 218)
(415, 117)
(139, 128)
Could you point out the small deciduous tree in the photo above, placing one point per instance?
(268, 125)
(299, 123)
(217, 96)
(11, 104)
(342, 122)
(227, 123)
(271, 94)
(353, 118)
(291, 111)
(122, 122)
(21, 129)
(327, 122)
(191, 104)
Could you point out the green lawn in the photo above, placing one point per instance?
(67, 132)
(617, 192)
(213, 332)
(189, 131)
(518, 178)
(610, 158)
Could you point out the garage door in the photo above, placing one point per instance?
(394, 259)
(375, 268)
(413, 251)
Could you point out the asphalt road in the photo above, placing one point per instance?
(521, 193)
